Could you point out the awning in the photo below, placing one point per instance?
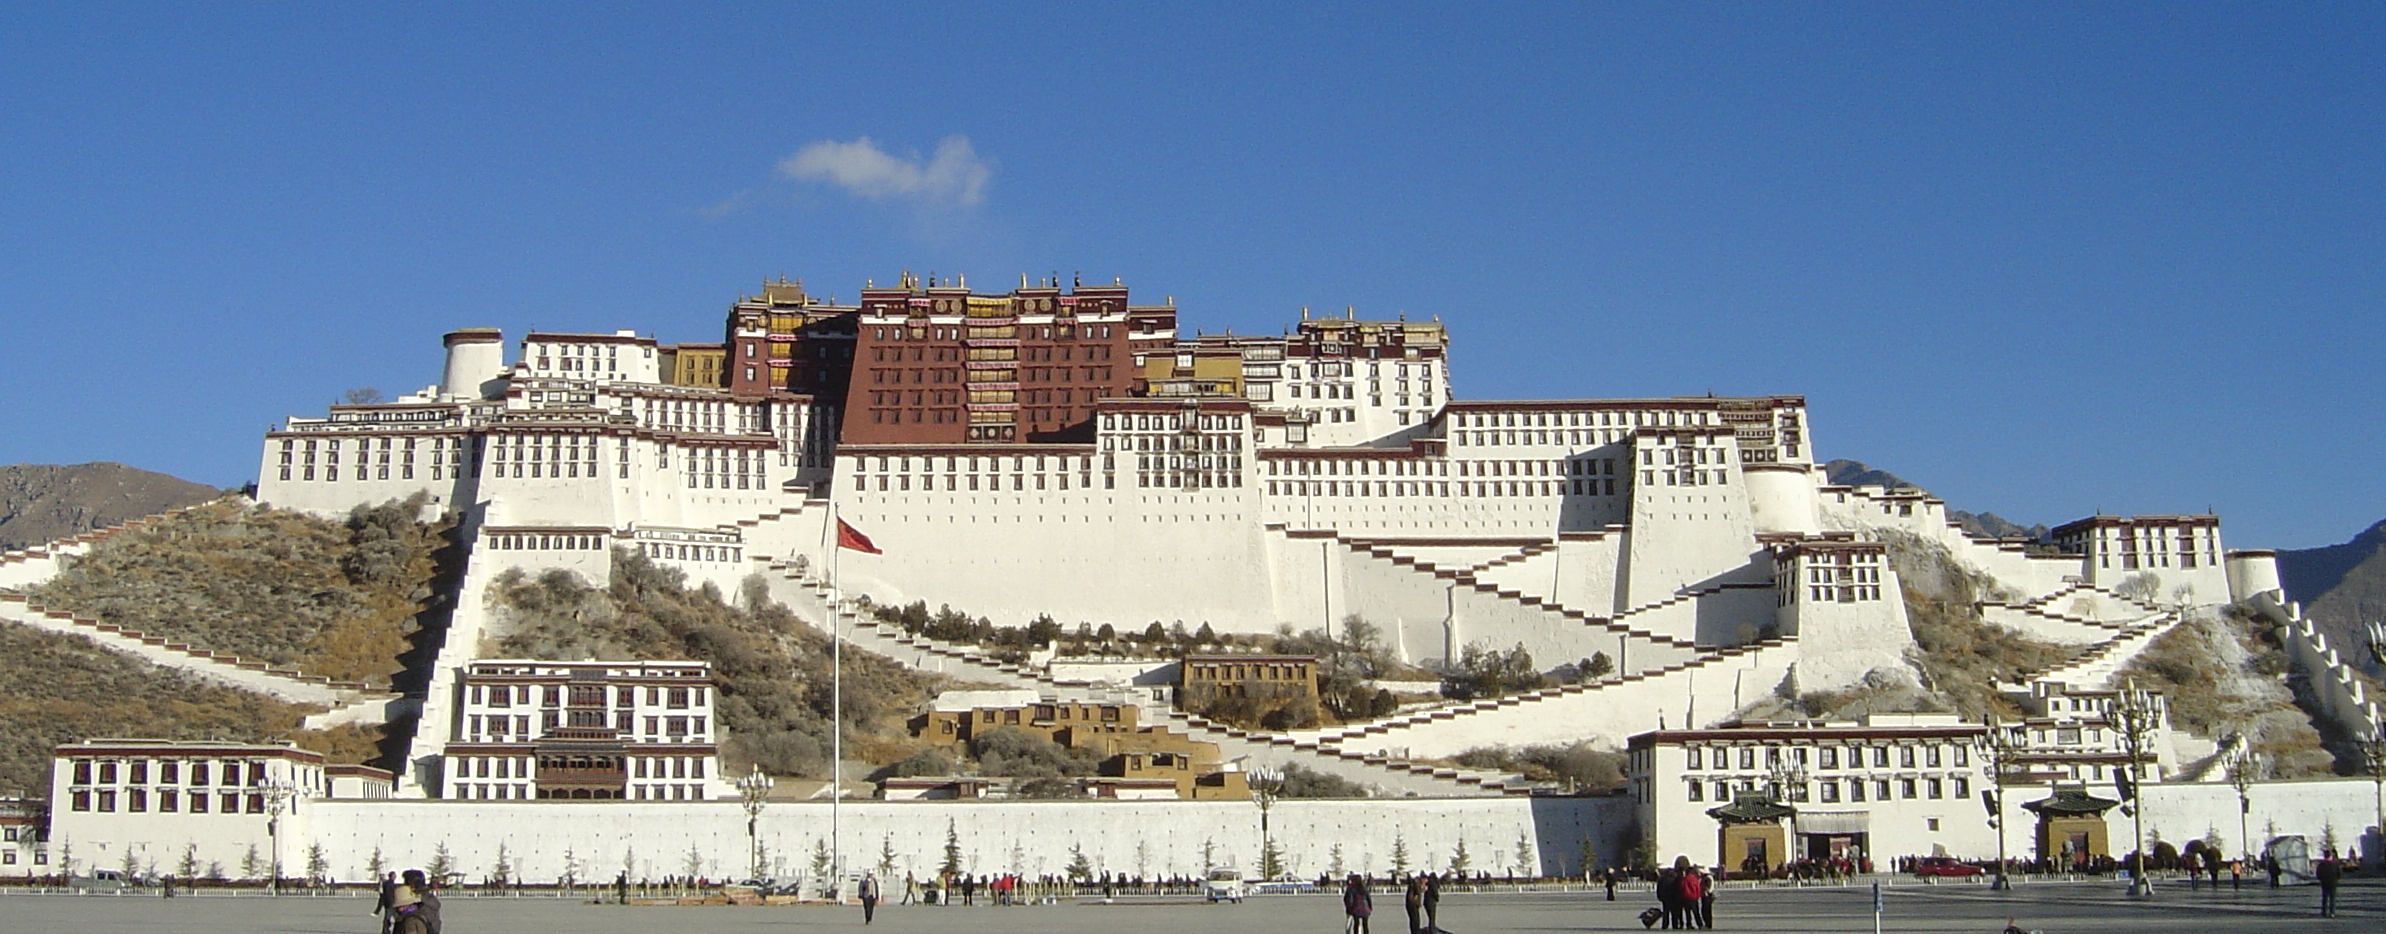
(1834, 822)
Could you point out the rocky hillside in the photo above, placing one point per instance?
(42, 503)
(331, 598)
(2343, 588)
(61, 689)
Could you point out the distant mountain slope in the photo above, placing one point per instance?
(42, 503)
(1987, 524)
(2342, 587)
(1846, 472)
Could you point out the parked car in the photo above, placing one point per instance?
(1945, 866)
(1224, 885)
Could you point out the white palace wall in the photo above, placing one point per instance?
(1152, 838)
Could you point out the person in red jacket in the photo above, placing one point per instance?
(1693, 889)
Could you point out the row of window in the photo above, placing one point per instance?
(496, 728)
(1638, 418)
(168, 771)
(1830, 791)
(585, 695)
(168, 801)
(1828, 757)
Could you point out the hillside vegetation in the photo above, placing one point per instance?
(773, 670)
(336, 599)
(60, 689)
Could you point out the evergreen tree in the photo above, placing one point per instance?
(1271, 861)
(823, 865)
(443, 863)
(1399, 852)
(504, 870)
(1334, 862)
(375, 865)
(252, 866)
(1080, 869)
(318, 866)
(952, 851)
(188, 868)
(886, 856)
(1459, 861)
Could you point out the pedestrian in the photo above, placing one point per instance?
(1669, 896)
(1433, 903)
(911, 889)
(1693, 895)
(1356, 903)
(413, 899)
(2332, 874)
(383, 905)
(1706, 895)
(969, 890)
(869, 893)
(2236, 874)
(1413, 898)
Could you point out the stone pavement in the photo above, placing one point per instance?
(2055, 908)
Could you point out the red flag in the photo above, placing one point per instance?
(849, 537)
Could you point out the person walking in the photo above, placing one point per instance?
(1433, 903)
(869, 893)
(1609, 876)
(1356, 903)
(382, 906)
(1413, 898)
(2332, 874)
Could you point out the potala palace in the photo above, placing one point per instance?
(1060, 450)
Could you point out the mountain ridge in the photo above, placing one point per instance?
(42, 503)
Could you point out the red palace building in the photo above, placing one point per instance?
(935, 363)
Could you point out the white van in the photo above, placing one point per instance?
(108, 881)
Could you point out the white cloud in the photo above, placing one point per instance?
(953, 176)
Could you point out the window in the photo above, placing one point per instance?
(1830, 759)
(1695, 792)
(1696, 761)
(1935, 788)
(1931, 757)
(1905, 788)
(1880, 759)
(1905, 757)
(1932, 823)
(1829, 792)
(1963, 788)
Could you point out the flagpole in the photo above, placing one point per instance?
(836, 791)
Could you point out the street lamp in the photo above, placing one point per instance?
(1999, 750)
(1266, 786)
(2373, 750)
(2137, 718)
(750, 791)
(278, 793)
(2249, 767)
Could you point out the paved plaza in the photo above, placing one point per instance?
(2056, 908)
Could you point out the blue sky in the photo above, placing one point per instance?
(2044, 260)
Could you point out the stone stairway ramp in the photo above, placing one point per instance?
(1399, 775)
(2094, 668)
(221, 667)
(1466, 577)
(1524, 701)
